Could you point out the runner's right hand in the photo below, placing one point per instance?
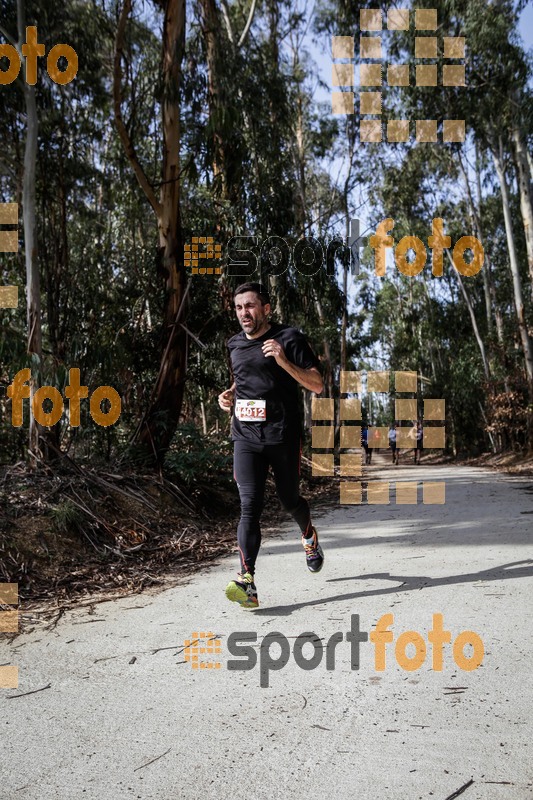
(225, 400)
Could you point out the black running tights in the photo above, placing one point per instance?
(251, 461)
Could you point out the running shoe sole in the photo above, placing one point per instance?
(311, 569)
(238, 595)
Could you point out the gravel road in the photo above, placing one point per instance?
(127, 716)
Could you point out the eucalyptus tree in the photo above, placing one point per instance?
(160, 419)
(41, 174)
(493, 105)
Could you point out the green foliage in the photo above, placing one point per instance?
(263, 162)
(196, 459)
(66, 517)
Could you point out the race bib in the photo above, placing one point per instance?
(251, 410)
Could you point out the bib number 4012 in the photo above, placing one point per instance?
(251, 410)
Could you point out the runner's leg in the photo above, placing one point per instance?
(285, 460)
(250, 469)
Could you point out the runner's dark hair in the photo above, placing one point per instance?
(258, 288)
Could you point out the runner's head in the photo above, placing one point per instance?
(252, 306)
(256, 288)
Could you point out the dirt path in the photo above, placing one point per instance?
(126, 716)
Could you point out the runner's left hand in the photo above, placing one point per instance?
(274, 349)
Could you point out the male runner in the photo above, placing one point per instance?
(268, 362)
(364, 442)
(393, 434)
(419, 440)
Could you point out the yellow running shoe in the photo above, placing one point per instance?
(243, 591)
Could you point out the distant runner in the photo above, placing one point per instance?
(269, 361)
(392, 442)
(366, 448)
(419, 440)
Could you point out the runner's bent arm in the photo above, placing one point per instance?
(310, 379)
(225, 399)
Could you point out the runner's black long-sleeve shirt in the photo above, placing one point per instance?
(260, 378)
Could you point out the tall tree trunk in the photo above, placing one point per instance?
(488, 286)
(433, 350)
(497, 153)
(33, 283)
(328, 367)
(275, 175)
(350, 135)
(475, 214)
(299, 149)
(529, 161)
(345, 268)
(211, 29)
(302, 217)
(159, 422)
(487, 268)
(524, 189)
(236, 45)
(475, 328)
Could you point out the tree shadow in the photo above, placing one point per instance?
(408, 583)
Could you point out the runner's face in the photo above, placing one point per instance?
(252, 315)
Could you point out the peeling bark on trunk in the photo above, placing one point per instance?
(346, 191)
(211, 32)
(524, 188)
(487, 269)
(475, 219)
(227, 182)
(302, 217)
(479, 340)
(497, 153)
(328, 367)
(33, 282)
(161, 418)
(488, 286)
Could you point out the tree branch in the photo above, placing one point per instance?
(249, 21)
(227, 21)
(6, 35)
(479, 340)
(117, 105)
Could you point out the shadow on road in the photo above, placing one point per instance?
(407, 584)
